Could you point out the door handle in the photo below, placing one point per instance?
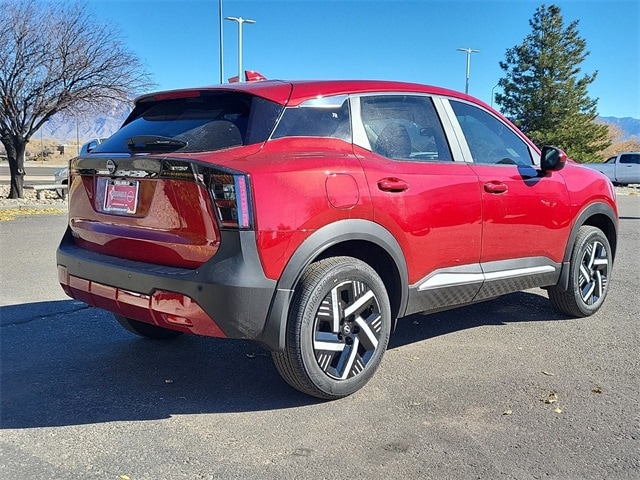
(495, 187)
(394, 185)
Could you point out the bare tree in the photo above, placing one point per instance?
(55, 58)
(619, 142)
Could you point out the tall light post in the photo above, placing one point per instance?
(240, 21)
(469, 52)
(221, 40)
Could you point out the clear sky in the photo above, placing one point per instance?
(412, 41)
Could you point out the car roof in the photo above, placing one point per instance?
(295, 92)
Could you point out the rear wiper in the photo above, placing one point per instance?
(154, 142)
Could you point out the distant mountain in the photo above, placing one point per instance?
(630, 126)
(96, 124)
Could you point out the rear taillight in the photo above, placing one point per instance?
(230, 190)
(231, 197)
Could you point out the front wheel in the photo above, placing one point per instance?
(338, 329)
(590, 270)
(146, 329)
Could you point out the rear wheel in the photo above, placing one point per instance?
(590, 269)
(338, 329)
(146, 329)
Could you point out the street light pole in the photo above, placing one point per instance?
(469, 52)
(221, 41)
(240, 21)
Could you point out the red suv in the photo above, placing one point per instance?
(308, 216)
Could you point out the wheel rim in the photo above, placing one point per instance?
(347, 330)
(594, 272)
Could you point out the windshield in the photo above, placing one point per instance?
(201, 122)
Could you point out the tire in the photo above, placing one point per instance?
(590, 269)
(338, 329)
(146, 330)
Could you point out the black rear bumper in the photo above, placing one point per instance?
(231, 288)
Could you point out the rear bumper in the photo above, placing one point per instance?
(228, 296)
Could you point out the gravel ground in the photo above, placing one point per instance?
(50, 199)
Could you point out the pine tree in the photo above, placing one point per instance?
(543, 93)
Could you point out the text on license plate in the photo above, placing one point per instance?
(121, 196)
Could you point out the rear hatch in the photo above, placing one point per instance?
(157, 191)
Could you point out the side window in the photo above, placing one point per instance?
(490, 140)
(325, 117)
(404, 127)
(630, 158)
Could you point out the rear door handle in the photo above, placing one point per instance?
(393, 185)
(495, 187)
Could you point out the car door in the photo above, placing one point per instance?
(526, 214)
(428, 201)
(628, 168)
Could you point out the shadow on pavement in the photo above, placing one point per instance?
(517, 307)
(63, 363)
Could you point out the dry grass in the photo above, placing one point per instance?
(13, 213)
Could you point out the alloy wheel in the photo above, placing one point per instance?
(594, 272)
(347, 331)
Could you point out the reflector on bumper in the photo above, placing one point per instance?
(171, 310)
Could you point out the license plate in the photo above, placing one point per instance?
(121, 196)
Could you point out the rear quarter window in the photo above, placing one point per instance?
(327, 117)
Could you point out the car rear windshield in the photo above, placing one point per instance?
(194, 122)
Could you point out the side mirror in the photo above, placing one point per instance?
(552, 159)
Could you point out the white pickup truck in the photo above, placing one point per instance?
(622, 169)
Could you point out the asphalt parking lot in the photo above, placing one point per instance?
(504, 389)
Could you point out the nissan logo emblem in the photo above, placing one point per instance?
(111, 166)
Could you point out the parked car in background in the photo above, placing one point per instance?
(308, 216)
(622, 169)
(61, 176)
(90, 145)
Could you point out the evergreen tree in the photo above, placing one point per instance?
(543, 93)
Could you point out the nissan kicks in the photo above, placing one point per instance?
(308, 216)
